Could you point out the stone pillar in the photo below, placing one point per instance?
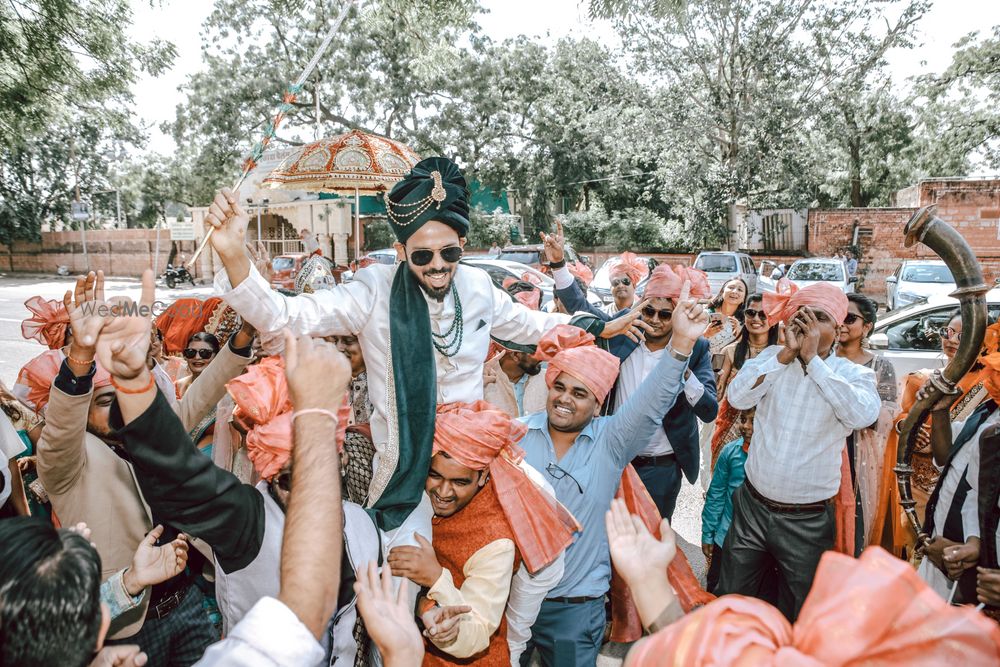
(339, 248)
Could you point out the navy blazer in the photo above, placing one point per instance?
(681, 421)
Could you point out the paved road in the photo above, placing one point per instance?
(15, 289)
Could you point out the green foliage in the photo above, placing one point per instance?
(636, 229)
(378, 235)
(485, 229)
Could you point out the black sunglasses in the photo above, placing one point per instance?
(626, 281)
(559, 473)
(191, 353)
(755, 314)
(649, 312)
(851, 318)
(451, 254)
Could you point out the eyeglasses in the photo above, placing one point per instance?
(191, 353)
(615, 282)
(450, 254)
(949, 333)
(649, 313)
(558, 473)
(851, 318)
(755, 314)
(284, 481)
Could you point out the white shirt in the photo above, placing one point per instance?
(270, 635)
(11, 445)
(612, 309)
(802, 421)
(361, 308)
(633, 371)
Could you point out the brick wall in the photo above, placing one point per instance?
(119, 252)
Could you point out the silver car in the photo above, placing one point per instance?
(917, 279)
(723, 266)
(910, 337)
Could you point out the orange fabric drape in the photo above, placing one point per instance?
(625, 623)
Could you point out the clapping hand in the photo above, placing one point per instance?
(807, 325)
(388, 617)
(554, 244)
(152, 564)
(442, 623)
(637, 555)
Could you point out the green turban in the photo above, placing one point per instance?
(433, 190)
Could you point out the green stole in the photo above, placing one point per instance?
(415, 379)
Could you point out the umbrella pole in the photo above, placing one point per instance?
(357, 225)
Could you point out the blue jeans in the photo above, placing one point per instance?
(567, 634)
(663, 481)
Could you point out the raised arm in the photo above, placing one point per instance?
(210, 387)
(573, 297)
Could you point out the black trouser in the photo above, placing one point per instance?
(795, 540)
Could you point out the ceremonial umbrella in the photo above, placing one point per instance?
(355, 162)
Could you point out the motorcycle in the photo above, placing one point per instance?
(177, 274)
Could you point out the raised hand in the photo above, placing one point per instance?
(637, 555)
(123, 341)
(442, 623)
(229, 221)
(87, 312)
(388, 617)
(554, 244)
(419, 564)
(261, 259)
(809, 327)
(628, 325)
(152, 564)
(690, 321)
(316, 371)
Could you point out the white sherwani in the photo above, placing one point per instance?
(361, 308)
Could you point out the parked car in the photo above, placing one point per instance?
(285, 268)
(917, 279)
(532, 255)
(806, 272)
(384, 256)
(722, 266)
(910, 337)
(500, 269)
(601, 285)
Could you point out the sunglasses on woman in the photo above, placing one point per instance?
(615, 282)
(755, 314)
(450, 254)
(851, 318)
(191, 353)
(949, 333)
(649, 312)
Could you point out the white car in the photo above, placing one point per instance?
(917, 279)
(806, 272)
(910, 337)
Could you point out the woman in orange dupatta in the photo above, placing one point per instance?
(890, 528)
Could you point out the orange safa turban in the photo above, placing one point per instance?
(39, 373)
(782, 305)
(184, 318)
(479, 436)
(874, 611)
(666, 282)
(629, 265)
(261, 398)
(48, 322)
(581, 271)
(571, 350)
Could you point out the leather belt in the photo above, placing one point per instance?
(166, 604)
(661, 460)
(580, 599)
(786, 508)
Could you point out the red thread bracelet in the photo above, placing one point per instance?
(125, 390)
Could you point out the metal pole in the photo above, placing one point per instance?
(83, 236)
(357, 225)
(118, 208)
(258, 223)
(156, 252)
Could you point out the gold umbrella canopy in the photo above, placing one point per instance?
(355, 162)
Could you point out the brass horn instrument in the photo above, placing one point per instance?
(939, 236)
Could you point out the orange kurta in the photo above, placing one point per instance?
(456, 539)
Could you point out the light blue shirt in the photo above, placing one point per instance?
(519, 387)
(727, 477)
(596, 461)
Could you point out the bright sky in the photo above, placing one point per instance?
(180, 20)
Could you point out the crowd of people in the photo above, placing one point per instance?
(422, 467)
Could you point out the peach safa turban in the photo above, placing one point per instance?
(39, 373)
(48, 322)
(666, 282)
(524, 291)
(261, 398)
(479, 436)
(581, 271)
(874, 610)
(629, 265)
(571, 350)
(782, 305)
